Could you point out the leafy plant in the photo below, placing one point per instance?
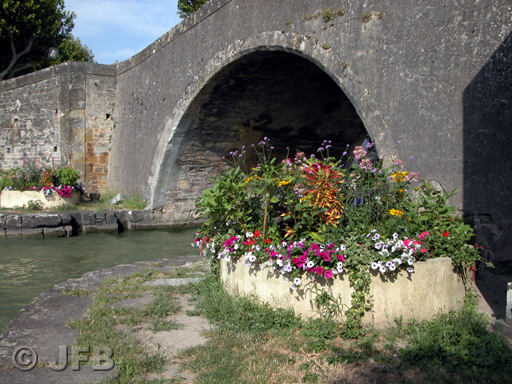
(313, 215)
(67, 176)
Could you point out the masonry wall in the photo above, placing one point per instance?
(60, 116)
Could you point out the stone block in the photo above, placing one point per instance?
(3, 216)
(13, 220)
(39, 220)
(508, 311)
(54, 232)
(13, 232)
(66, 218)
(88, 218)
(135, 216)
(110, 217)
(32, 232)
(112, 228)
(69, 230)
(153, 225)
(100, 217)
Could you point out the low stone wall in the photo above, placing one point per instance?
(74, 223)
(432, 287)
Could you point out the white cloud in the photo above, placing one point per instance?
(117, 29)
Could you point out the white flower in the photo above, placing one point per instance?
(339, 267)
(279, 262)
(342, 247)
(227, 258)
(252, 258)
(395, 236)
(382, 269)
(375, 265)
(249, 234)
(410, 270)
(296, 281)
(310, 264)
(392, 267)
(235, 247)
(376, 237)
(378, 245)
(410, 261)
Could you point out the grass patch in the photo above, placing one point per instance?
(253, 343)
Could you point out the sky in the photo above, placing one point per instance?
(118, 29)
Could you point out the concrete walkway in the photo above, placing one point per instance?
(41, 328)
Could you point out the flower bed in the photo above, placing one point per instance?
(12, 199)
(432, 287)
(316, 222)
(38, 186)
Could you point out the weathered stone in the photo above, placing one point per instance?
(54, 232)
(153, 225)
(88, 218)
(100, 218)
(119, 198)
(13, 220)
(69, 230)
(13, 232)
(36, 220)
(110, 217)
(32, 232)
(135, 216)
(66, 218)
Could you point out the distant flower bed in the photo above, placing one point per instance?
(317, 215)
(34, 177)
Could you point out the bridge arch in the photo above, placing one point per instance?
(336, 91)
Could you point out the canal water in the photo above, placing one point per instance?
(29, 267)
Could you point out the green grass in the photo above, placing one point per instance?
(255, 343)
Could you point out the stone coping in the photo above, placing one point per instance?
(433, 287)
(64, 224)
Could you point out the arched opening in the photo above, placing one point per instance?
(273, 94)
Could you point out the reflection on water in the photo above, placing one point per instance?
(31, 266)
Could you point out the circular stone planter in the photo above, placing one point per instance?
(11, 199)
(431, 288)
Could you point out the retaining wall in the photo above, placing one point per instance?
(73, 223)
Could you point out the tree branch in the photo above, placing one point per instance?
(15, 57)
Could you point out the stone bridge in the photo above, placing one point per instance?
(430, 79)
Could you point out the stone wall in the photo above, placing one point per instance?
(73, 223)
(60, 116)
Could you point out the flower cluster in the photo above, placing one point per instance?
(320, 216)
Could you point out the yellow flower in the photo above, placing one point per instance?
(396, 212)
(283, 182)
(399, 176)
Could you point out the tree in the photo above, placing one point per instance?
(29, 28)
(188, 7)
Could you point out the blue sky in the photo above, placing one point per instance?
(118, 29)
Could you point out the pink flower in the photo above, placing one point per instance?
(341, 258)
(319, 270)
(328, 274)
(423, 250)
(359, 152)
(423, 235)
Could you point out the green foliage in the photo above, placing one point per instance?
(34, 205)
(67, 176)
(458, 340)
(28, 29)
(331, 219)
(188, 7)
(240, 314)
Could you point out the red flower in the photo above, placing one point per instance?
(256, 233)
(250, 242)
(446, 233)
(268, 241)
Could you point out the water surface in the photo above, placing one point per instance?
(28, 267)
